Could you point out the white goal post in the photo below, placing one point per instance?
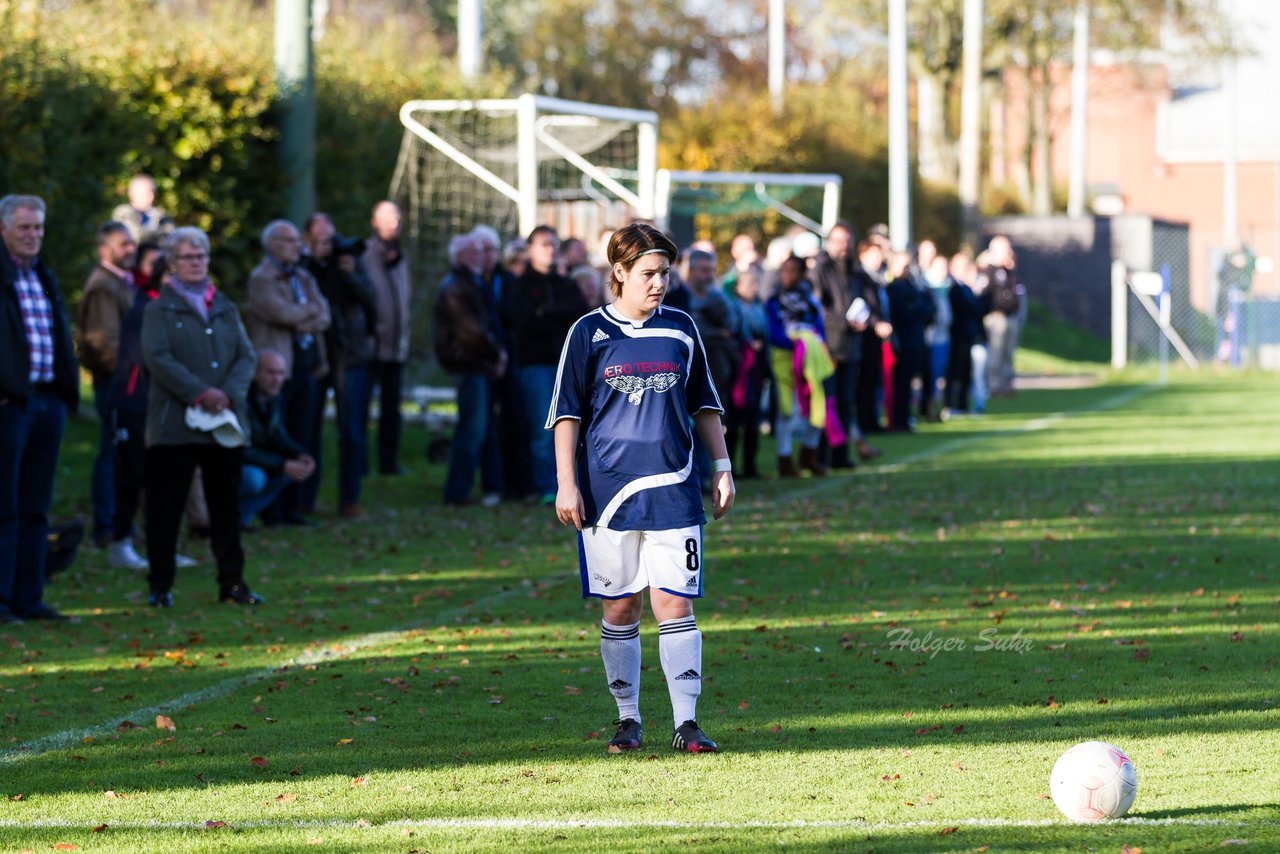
(511, 146)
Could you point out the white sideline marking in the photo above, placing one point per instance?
(70, 737)
(616, 824)
(315, 655)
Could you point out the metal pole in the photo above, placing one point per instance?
(1230, 215)
(777, 52)
(970, 120)
(899, 144)
(1079, 110)
(1166, 304)
(469, 33)
(527, 161)
(647, 151)
(295, 78)
(1119, 315)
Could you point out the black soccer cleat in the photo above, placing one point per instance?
(240, 594)
(160, 599)
(690, 739)
(630, 736)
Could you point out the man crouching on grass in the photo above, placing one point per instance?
(631, 377)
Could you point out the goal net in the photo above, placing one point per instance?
(717, 205)
(513, 164)
(517, 163)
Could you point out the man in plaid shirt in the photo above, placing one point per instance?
(39, 382)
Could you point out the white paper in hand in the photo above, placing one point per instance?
(859, 312)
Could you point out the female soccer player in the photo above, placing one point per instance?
(632, 375)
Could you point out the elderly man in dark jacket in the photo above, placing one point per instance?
(199, 357)
(272, 459)
(39, 382)
(467, 347)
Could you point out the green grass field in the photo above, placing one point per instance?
(428, 679)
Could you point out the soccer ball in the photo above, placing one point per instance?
(1093, 781)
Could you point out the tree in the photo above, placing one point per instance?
(1029, 37)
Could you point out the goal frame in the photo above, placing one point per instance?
(668, 179)
(533, 115)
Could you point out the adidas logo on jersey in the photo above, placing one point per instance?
(600, 335)
(619, 685)
(689, 674)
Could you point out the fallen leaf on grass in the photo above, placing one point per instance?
(364, 822)
(165, 722)
(360, 781)
(259, 761)
(570, 689)
(215, 824)
(100, 828)
(343, 741)
(65, 846)
(947, 831)
(316, 841)
(110, 795)
(1234, 842)
(284, 799)
(1127, 849)
(775, 729)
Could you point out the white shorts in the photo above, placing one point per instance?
(614, 564)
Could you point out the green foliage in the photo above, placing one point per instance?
(95, 92)
(821, 129)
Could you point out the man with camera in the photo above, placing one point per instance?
(349, 342)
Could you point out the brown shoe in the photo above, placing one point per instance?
(865, 451)
(809, 460)
(787, 468)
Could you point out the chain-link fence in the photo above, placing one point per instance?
(1223, 305)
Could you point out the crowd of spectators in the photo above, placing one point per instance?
(217, 411)
(822, 342)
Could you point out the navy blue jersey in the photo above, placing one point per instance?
(634, 386)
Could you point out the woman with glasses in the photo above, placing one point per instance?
(199, 356)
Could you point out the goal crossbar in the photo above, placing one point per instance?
(830, 183)
(529, 110)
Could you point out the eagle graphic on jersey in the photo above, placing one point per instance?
(634, 387)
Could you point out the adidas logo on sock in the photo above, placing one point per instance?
(619, 684)
(689, 674)
(600, 335)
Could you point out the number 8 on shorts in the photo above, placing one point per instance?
(614, 564)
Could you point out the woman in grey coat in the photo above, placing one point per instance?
(199, 358)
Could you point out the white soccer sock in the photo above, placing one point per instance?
(680, 649)
(620, 651)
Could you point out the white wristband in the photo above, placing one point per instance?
(722, 465)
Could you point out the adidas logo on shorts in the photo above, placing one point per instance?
(600, 335)
(605, 581)
(690, 674)
(692, 582)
